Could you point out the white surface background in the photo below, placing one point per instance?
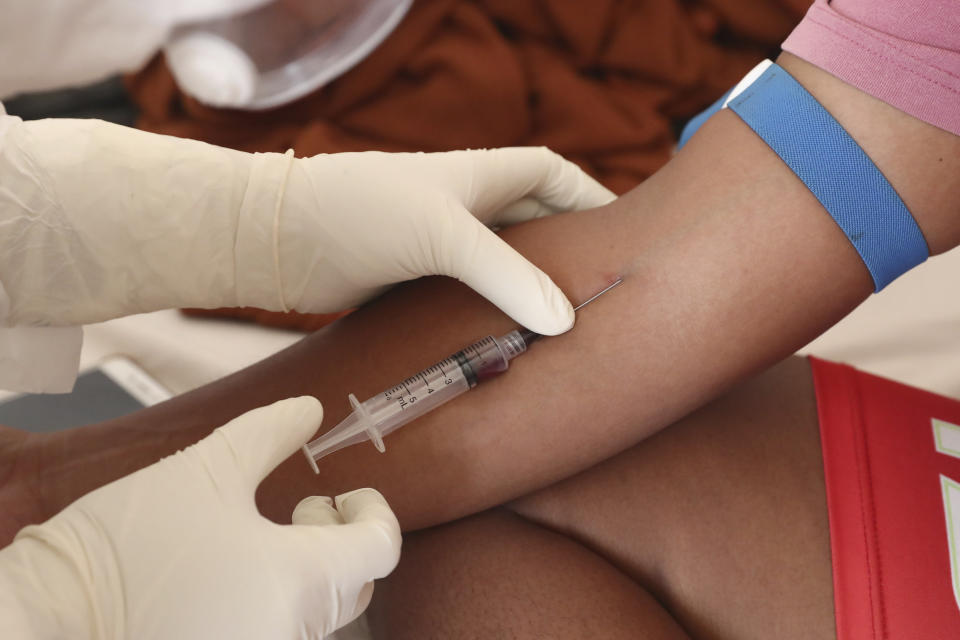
(909, 332)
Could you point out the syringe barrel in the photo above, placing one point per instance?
(409, 400)
(421, 393)
(444, 381)
(487, 357)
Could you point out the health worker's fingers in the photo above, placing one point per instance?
(368, 543)
(500, 274)
(506, 176)
(363, 601)
(317, 511)
(261, 439)
(520, 211)
(320, 511)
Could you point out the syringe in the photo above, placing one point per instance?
(425, 391)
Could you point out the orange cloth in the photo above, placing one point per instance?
(601, 82)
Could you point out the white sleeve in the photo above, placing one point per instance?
(99, 221)
(63, 43)
(36, 359)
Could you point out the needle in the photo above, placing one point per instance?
(616, 283)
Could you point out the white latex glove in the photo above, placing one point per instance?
(99, 221)
(394, 217)
(178, 550)
(65, 43)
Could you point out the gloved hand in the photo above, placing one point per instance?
(178, 549)
(99, 221)
(390, 217)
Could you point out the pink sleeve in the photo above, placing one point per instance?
(904, 52)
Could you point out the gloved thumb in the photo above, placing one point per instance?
(262, 438)
(365, 545)
(320, 511)
(500, 274)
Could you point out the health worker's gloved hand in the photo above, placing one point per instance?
(179, 550)
(100, 221)
(389, 217)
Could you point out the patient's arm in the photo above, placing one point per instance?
(729, 264)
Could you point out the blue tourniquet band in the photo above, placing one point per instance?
(835, 169)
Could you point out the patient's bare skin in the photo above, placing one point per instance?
(20, 500)
(730, 264)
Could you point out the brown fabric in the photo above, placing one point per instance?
(601, 82)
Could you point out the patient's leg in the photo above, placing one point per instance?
(721, 517)
(495, 575)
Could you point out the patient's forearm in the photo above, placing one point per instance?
(729, 264)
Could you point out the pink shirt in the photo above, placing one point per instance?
(904, 52)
